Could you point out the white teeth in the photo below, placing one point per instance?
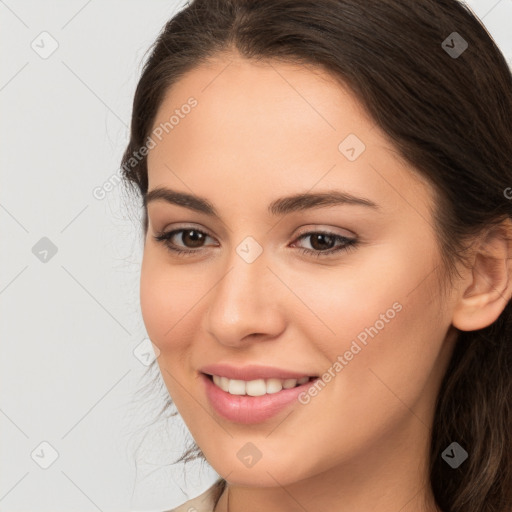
(289, 383)
(236, 387)
(256, 387)
(224, 383)
(216, 379)
(274, 386)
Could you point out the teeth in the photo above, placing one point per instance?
(256, 387)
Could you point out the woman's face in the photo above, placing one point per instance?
(370, 314)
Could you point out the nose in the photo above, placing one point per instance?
(246, 304)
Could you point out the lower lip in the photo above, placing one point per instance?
(247, 409)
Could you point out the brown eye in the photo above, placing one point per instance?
(192, 238)
(323, 243)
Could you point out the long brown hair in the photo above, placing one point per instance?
(449, 116)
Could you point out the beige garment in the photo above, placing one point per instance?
(205, 502)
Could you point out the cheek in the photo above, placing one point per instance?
(386, 328)
(384, 298)
(165, 298)
(360, 301)
(154, 299)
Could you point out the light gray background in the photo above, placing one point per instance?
(70, 325)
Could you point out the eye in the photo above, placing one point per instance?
(322, 242)
(193, 236)
(321, 239)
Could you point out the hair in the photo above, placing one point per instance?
(449, 118)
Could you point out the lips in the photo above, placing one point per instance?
(252, 372)
(245, 409)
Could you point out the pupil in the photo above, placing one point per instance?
(320, 237)
(196, 240)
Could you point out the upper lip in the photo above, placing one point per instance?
(251, 372)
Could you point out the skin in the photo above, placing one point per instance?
(266, 130)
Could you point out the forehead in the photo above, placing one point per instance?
(268, 126)
(260, 97)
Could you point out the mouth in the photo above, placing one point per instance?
(256, 401)
(256, 387)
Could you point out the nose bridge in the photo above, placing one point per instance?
(240, 303)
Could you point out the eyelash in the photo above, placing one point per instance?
(349, 243)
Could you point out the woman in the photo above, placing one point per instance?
(326, 268)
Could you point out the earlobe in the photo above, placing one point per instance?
(488, 288)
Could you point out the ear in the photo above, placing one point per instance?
(488, 287)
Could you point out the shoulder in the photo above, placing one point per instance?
(205, 502)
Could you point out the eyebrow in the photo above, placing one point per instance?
(281, 206)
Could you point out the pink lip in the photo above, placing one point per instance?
(252, 372)
(247, 409)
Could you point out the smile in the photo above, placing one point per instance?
(269, 396)
(258, 387)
